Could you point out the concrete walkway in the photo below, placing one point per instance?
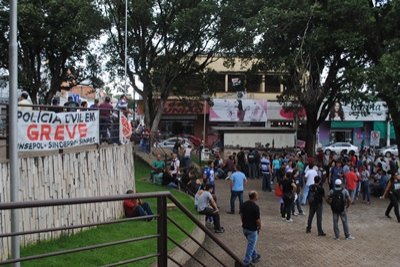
(286, 244)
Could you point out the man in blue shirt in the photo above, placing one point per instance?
(237, 181)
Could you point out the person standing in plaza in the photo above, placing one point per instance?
(288, 187)
(339, 199)
(315, 199)
(241, 160)
(237, 182)
(276, 165)
(351, 183)
(251, 224)
(310, 175)
(265, 166)
(251, 164)
(393, 191)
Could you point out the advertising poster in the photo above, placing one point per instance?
(239, 110)
(46, 130)
(376, 112)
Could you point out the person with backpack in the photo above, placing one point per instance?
(339, 199)
(393, 191)
(316, 195)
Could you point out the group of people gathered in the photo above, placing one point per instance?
(340, 180)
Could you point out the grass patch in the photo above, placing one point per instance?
(110, 233)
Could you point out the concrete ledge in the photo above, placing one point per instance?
(181, 256)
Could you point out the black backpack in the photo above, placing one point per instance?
(338, 203)
(311, 195)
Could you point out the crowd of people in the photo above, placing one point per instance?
(338, 180)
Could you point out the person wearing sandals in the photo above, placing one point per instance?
(206, 205)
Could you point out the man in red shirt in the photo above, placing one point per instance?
(351, 183)
(134, 207)
(106, 110)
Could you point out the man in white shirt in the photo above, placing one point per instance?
(310, 174)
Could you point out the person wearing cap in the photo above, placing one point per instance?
(24, 103)
(336, 195)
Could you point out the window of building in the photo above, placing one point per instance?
(253, 83)
(272, 84)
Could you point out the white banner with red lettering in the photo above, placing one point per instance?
(46, 130)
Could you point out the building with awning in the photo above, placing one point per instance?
(352, 124)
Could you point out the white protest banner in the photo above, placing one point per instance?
(45, 130)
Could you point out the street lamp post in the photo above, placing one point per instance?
(13, 121)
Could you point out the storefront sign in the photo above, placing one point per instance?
(377, 112)
(246, 110)
(45, 130)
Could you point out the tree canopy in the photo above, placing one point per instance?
(165, 40)
(315, 47)
(51, 36)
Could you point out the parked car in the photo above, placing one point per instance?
(389, 151)
(170, 142)
(340, 146)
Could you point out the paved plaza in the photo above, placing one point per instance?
(280, 243)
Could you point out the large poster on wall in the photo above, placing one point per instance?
(245, 110)
(45, 130)
(340, 112)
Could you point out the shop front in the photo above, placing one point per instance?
(346, 123)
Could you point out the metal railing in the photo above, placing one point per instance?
(162, 231)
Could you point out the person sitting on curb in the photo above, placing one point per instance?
(157, 171)
(206, 205)
(134, 207)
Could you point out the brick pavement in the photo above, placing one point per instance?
(286, 244)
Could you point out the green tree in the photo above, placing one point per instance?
(52, 34)
(165, 40)
(382, 45)
(315, 46)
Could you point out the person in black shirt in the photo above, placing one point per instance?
(241, 160)
(288, 188)
(316, 195)
(251, 223)
(393, 192)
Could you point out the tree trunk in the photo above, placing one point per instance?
(394, 111)
(311, 131)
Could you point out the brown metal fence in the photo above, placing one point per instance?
(161, 236)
